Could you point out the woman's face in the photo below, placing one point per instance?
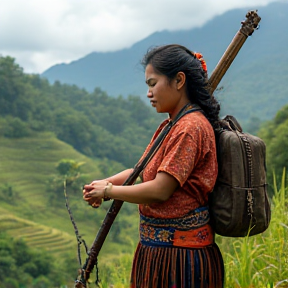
(163, 95)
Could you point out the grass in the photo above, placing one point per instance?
(259, 261)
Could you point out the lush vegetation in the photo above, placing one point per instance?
(22, 266)
(59, 136)
(275, 135)
(29, 168)
(93, 123)
(33, 212)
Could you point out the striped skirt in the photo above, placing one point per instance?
(175, 267)
(177, 253)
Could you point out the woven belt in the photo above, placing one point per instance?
(192, 230)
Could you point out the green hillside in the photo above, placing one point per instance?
(43, 124)
(36, 235)
(26, 165)
(41, 127)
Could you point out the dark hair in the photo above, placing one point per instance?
(168, 60)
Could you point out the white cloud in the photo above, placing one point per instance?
(40, 34)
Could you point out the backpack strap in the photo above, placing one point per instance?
(160, 138)
(230, 123)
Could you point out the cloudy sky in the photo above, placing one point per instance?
(42, 33)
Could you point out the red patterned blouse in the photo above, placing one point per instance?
(188, 153)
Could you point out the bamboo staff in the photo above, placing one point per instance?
(248, 27)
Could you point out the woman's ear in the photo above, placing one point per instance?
(180, 80)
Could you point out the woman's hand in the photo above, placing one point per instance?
(93, 193)
(159, 189)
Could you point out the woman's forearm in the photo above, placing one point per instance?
(119, 178)
(157, 190)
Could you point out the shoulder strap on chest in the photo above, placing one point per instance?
(158, 141)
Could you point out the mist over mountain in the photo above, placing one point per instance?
(254, 86)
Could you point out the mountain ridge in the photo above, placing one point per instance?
(120, 72)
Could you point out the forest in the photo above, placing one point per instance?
(50, 132)
(93, 123)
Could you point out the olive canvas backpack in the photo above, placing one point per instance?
(239, 204)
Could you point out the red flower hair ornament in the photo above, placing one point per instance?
(199, 56)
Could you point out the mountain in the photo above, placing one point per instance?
(254, 87)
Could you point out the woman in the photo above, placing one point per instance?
(176, 247)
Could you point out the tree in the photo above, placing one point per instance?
(11, 83)
(15, 128)
(21, 266)
(275, 135)
(69, 168)
(6, 192)
(69, 178)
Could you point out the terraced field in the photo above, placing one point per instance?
(35, 235)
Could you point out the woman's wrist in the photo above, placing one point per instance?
(107, 190)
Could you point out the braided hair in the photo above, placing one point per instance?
(168, 60)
